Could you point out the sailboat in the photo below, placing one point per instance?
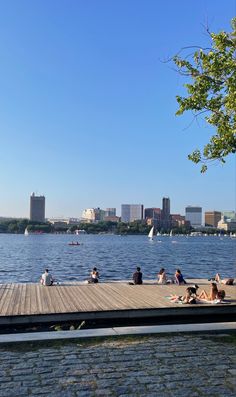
(171, 233)
(150, 234)
(26, 231)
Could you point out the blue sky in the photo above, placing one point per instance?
(87, 107)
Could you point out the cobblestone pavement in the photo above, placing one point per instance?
(179, 366)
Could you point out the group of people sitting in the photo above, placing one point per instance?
(191, 296)
(47, 279)
(161, 277)
(177, 279)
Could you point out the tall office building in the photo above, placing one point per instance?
(37, 208)
(194, 216)
(165, 214)
(131, 212)
(212, 218)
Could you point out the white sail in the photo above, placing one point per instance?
(171, 233)
(26, 232)
(150, 234)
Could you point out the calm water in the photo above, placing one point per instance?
(23, 258)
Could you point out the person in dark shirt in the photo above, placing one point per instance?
(138, 276)
(179, 277)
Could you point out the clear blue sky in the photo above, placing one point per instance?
(87, 109)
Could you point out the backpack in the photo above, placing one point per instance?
(230, 281)
(221, 294)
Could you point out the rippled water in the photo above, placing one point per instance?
(23, 258)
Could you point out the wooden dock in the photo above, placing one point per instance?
(33, 303)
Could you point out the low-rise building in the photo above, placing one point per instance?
(111, 219)
(93, 215)
(228, 226)
(63, 221)
(212, 218)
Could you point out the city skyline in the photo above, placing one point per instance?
(166, 202)
(88, 106)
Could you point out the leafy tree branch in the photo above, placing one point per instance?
(212, 90)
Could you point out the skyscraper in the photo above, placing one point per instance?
(131, 212)
(165, 214)
(194, 216)
(37, 208)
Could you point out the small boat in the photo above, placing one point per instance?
(74, 243)
(150, 234)
(26, 232)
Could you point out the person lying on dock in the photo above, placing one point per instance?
(46, 278)
(213, 295)
(190, 297)
(94, 276)
(179, 279)
(226, 281)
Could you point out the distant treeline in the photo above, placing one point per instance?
(19, 226)
(137, 227)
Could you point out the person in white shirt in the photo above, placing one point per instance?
(94, 276)
(161, 277)
(46, 278)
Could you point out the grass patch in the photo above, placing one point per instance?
(228, 338)
(118, 341)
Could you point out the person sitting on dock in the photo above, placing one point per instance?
(213, 295)
(179, 279)
(46, 278)
(138, 276)
(94, 276)
(161, 276)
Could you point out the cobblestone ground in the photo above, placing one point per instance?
(179, 366)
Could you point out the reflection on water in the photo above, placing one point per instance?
(23, 258)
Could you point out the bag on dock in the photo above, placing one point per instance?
(221, 294)
(230, 281)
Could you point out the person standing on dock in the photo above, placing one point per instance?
(138, 276)
(46, 278)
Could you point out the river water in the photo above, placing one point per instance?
(24, 258)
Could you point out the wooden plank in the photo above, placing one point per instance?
(66, 298)
(7, 303)
(31, 299)
(87, 298)
(22, 308)
(4, 292)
